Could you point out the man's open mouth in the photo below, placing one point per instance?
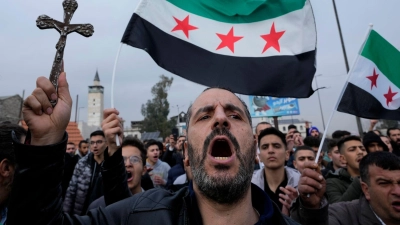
(129, 176)
(221, 149)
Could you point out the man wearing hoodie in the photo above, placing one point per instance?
(373, 143)
(344, 184)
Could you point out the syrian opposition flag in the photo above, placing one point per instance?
(373, 90)
(264, 47)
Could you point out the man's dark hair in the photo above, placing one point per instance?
(340, 134)
(291, 126)
(154, 142)
(262, 123)
(82, 142)
(71, 143)
(272, 131)
(301, 148)
(6, 143)
(390, 129)
(246, 110)
(331, 144)
(312, 141)
(97, 133)
(182, 136)
(384, 160)
(296, 132)
(132, 141)
(346, 139)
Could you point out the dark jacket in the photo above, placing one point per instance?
(340, 186)
(328, 168)
(40, 204)
(84, 187)
(69, 167)
(171, 157)
(356, 212)
(174, 173)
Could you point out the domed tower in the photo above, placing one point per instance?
(95, 102)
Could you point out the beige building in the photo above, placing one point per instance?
(95, 103)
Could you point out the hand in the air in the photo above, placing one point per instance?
(48, 124)
(112, 126)
(286, 199)
(312, 186)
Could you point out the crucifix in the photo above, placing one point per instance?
(64, 28)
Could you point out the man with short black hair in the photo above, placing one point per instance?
(292, 128)
(278, 181)
(339, 134)
(158, 170)
(86, 182)
(344, 184)
(314, 142)
(134, 156)
(394, 135)
(334, 155)
(379, 204)
(260, 127)
(83, 148)
(70, 148)
(302, 155)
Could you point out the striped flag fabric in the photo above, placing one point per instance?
(373, 89)
(252, 47)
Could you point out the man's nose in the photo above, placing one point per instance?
(220, 118)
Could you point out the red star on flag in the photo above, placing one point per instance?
(373, 79)
(272, 39)
(228, 40)
(389, 96)
(184, 26)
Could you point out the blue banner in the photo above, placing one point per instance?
(263, 106)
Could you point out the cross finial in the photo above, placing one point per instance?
(64, 28)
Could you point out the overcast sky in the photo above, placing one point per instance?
(27, 52)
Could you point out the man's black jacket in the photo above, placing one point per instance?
(36, 195)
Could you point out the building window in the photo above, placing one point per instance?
(94, 100)
(94, 103)
(93, 113)
(301, 127)
(284, 128)
(135, 135)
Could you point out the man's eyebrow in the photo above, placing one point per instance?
(232, 107)
(207, 108)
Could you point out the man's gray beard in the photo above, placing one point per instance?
(223, 189)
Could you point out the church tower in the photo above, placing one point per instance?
(95, 102)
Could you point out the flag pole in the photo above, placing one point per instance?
(346, 61)
(112, 87)
(341, 94)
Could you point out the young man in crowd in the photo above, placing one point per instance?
(86, 183)
(70, 148)
(134, 156)
(7, 163)
(334, 155)
(158, 170)
(278, 181)
(386, 140)
(83, 148)
(344, 184)
(373, 143)
(221, 153)
(314, 142)
(259, 127)
(394, 135)
(178, 169)
(379, 204)
(302, 155)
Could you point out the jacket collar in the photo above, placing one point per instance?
(368, 216)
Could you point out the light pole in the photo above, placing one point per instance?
(319, 100)
(79, 110)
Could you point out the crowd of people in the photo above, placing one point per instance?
(221, 172)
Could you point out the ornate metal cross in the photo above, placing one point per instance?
(65, 28)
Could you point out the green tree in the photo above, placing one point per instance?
(156, 110)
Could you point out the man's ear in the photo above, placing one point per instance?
(365, 190)
(186, 156)
(287, 155)
(343, 159)
(295, 164)
(330, 155)
(6, 168)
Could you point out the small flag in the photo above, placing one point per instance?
(253, 47)
(373, 90)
